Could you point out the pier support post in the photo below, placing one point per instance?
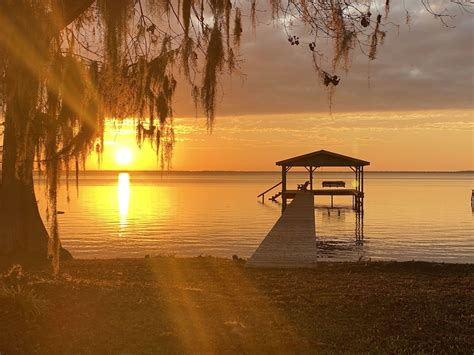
(283, 188)
(362, 188)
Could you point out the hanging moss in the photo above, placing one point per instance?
(377, 36)
(228, 11)
(253, 14)
(237, 27)
(214, 61)
(186, 16)
(115, 14)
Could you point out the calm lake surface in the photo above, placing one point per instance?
(420, 216)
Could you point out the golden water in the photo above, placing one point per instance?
(421, 216)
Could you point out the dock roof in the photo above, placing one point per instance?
(322, 158)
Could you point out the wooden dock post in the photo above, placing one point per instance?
(283, 188)
(362, 188)
(311, 170)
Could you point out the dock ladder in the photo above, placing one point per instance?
(274, 197)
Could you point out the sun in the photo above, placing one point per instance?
(123, 156)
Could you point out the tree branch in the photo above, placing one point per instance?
(66, 11)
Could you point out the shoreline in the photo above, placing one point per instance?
(206, 304)
(6, 262)
(322, 260)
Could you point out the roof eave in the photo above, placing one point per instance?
(301, 160)
(288, 163)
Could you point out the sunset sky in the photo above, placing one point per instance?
(414, 113)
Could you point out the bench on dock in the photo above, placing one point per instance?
(334, 184)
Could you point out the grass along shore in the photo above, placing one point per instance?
(212, 305)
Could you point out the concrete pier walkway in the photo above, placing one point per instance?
(291, 243)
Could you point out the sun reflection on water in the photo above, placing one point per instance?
(123, 194)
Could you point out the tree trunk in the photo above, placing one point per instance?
(26, 44)
(22, 231)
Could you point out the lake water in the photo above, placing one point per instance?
(420, 216)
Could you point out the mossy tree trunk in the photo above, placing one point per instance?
(26, 44)
(22, 231)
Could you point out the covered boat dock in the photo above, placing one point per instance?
(292, 240)
(313, 161)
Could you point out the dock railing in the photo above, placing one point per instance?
(270, 189)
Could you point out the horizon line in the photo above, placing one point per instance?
(260, 171)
